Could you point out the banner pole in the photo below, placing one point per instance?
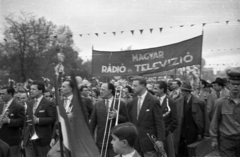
(201, 53)
(58, 80)
(92, 59)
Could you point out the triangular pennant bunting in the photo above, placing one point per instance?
(132, 31)
(151, 30)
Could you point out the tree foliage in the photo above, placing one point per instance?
(29, 48)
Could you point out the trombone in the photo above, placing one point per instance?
(118, 95)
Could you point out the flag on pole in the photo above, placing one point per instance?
(83, 144)
(65, 125)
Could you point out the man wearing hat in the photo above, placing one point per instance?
(225, 124)
(192, 119)
(219, 87)
(220, 91)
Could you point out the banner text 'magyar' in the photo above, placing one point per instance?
(137, 62)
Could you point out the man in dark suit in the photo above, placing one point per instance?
(193, 120)
(12, 120)
(4, 149)
(86, 100)
(98, 120)
(41, 115)
(169, 110)
(146, 113)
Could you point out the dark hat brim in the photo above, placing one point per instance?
(187, 89)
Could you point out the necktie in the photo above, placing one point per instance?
(218, 94)
(35, 106)
(160, 100)
(139, 106)
(107, 104)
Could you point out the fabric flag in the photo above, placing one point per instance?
(151, 30)
(65, 125)
(83, 142)
(132, 31)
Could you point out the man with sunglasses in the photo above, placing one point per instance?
(225, 124)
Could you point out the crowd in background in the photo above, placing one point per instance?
(188, 114)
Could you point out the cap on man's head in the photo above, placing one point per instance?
(219, 81)
(233, 74)
(186, 86)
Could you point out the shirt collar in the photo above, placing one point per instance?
(9, 102)
(39, 99)
(70, 97)
(163, 97)
(129, 155)
(144, 95)
(110, 99)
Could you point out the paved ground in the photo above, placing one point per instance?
(213, 154)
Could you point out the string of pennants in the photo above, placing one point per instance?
(231, 49)
(224, 64)
(203, 50)
(151, 29)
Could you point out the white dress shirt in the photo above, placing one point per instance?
(110, 100)
(7, 105)
(69, 100)
(162, 98)
(39, 100)
(129, 155)
(142, 98)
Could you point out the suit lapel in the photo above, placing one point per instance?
(42, 102)
(144, 107)
(164, 104)
(11, 106)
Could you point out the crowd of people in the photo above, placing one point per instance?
(153, 118)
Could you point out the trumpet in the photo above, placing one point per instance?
(33, 133)
(5, 114)
(118, 95)
(153, 139)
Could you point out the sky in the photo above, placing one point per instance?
(220, 42)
